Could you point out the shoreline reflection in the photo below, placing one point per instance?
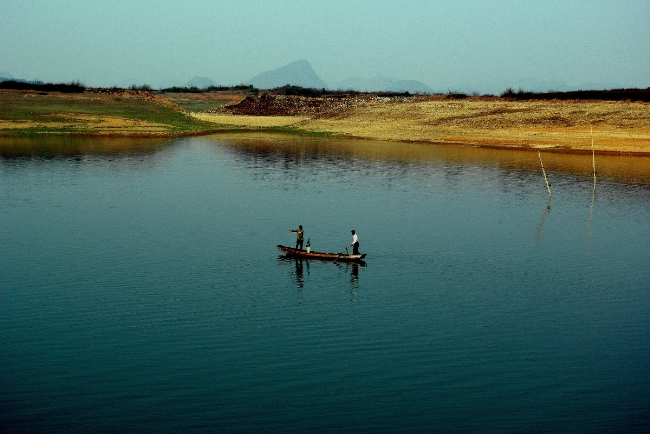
(62, 146)
(267, 148)
(295, 150)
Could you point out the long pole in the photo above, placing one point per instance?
(548, 187)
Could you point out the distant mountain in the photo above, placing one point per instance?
(5, 76)
(299, 73)
(201, 82)
(380, 83)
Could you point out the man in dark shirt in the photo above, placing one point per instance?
(299, 236)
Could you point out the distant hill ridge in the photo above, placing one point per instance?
(201, 82)
(299, 73)
(380, 83)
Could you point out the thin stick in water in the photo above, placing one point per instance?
(548, 187)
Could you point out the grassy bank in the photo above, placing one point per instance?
(103, 111)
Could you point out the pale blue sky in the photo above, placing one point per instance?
(444, 44)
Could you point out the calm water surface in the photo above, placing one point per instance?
(141, 289)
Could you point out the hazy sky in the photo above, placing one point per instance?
(444, 44)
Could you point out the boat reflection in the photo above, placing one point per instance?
(302, 266)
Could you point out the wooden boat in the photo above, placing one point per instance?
(334, 257)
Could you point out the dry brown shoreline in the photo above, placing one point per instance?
(617, 127)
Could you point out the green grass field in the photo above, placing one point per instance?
(29, 112)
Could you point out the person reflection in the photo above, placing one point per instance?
(354, 280)
(300, 280)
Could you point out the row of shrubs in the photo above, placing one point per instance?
(194, 89)
(72, 87)
(78, 87)
(632, 94)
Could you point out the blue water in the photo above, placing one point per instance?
(141, 289)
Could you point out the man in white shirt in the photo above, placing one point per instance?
(355, 243)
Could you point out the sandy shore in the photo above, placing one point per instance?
(563, 126)
(251, 121)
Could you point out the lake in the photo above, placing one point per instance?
(142, 290)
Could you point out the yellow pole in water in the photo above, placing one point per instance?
(548, 187)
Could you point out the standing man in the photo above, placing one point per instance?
(355, 243)
(299, 236)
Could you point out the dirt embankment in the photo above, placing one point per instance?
(287, 105)
(141, 95)
(560, 125)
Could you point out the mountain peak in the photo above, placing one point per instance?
(379, 83)
(201, 82)
(298, 73)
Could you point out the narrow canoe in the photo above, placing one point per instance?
(342, 257)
